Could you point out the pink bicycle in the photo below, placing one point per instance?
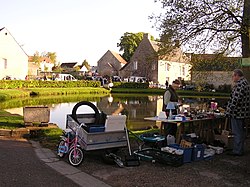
(69, 145)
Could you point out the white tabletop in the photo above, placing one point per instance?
(156, 118)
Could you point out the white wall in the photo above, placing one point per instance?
(17, 60)
(173, 70)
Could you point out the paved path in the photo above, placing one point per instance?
(27, 164)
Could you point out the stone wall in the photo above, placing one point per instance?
(216, 78)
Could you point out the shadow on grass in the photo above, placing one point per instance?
(10, 125)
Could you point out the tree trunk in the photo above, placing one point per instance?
(245, 36)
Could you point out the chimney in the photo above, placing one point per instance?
(147, 36)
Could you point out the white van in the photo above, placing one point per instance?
(65, 77)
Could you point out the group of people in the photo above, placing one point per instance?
(237, 110)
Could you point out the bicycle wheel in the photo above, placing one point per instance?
(62, 149)
(76, 156)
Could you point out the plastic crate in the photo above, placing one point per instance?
(94, 129)
(151, 154)
(187, 152)
(198, 152)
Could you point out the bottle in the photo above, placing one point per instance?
(170, 139)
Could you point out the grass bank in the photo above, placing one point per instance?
(10, 121)
(6, 94)
(184, 93)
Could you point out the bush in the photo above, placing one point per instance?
(11, 84)
(130, 85)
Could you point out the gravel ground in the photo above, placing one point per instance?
(222, 170)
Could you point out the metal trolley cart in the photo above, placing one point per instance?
(92, 131)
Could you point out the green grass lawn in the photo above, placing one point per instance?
(10, 121)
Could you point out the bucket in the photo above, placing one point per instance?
(170, 139)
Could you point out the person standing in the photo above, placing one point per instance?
(170, 95)
(238, 109)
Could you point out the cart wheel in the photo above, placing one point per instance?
(97, 114)
(76, 156)
(106, 155)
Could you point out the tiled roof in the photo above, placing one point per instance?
(155, 45)
(68, 64)
(119, 58)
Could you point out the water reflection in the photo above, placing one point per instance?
(135, 107)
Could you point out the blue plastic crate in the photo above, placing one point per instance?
(198, 152)
(187, 152)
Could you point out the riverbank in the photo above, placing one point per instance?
(7, 94)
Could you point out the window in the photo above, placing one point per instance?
(168, 66)
(135, 65)
(153, 66)
(183, 70)
(4, 64)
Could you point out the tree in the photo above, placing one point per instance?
(36, 58)
(52, 56)
(205, 25)
(128, 44)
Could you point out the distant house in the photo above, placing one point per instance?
(145, 62)
(110, 64)
(13, 59)
(45, 65)
(68, 66)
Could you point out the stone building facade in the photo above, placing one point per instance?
(110, 64)
(145, 62)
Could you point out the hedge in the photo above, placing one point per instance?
(11, 84)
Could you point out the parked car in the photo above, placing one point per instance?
(188, 87)
(137, 79)
(116, 79)
(9, 77)
(65, 77)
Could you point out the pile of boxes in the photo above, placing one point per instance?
(194, 151)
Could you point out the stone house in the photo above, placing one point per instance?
(145, 62)
(13, 59)
(213, 70)
(110, 64)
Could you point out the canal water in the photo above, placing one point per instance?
(135, 107)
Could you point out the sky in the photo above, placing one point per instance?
(76, 29)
